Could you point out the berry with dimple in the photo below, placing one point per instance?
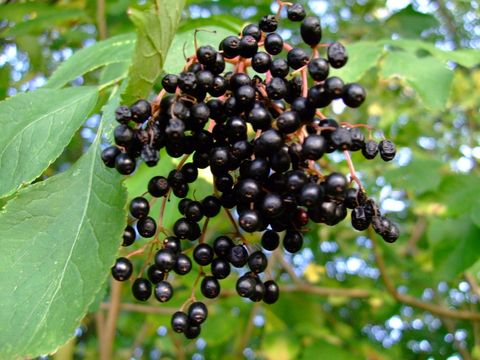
(245, 286)
(203, 254)
(296, 12)
(165, 259)
(318, 69)
(123, 114)
(179, 322)
(237, 256)
(370, 149)
(183, 265)
(210, 287)
(273, 44)
(337, 55)
(147, 227)
(139, 207)
(353, 95)
(220, 268)
(296, 58)
(197, 312)
(141, 111)
(122, 269)
(257, 262)
(142, 289)
(387, 150)
(268, 23)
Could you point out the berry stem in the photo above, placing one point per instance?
(353, 173)
(304, 82)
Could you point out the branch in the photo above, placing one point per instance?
(450, 24)
(410, 300)
(111, 324)
(417, 232)
(146, 309)
(101, 20)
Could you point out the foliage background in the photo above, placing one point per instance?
(345, 295)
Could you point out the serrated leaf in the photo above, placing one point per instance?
(455, 246)
(428, 75)
(62, 236)
(155, 31)
(114, 50)
(362, 56)
(410, 23)
(36, 127)
(183, 45)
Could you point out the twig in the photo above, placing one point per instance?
(146, 309)
(410, 300)
(112, 317)
(100, 329)
(247, 332)
(101, 20)
(417, 232)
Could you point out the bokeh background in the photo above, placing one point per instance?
(346, 295)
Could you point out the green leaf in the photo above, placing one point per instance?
(459, 193)
(4, 80)
(46, 20)
(410, 23)
(455, 245)
(183, 45)
(421, 175)
(362, 56)
(114, 50)
(327, 351)
(63, 235)
(427, 75)
(280, 346)
(113, 73)
(155, 31)
(36, 127)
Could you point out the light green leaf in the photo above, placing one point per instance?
(459, 193)
(36, 127)
(114, 50)
(183, 45)
(429, 76)
(61, 237)
(325, 350)
(419, 176)
(410, 23)
(455, 246)
(362, 56)
(112, 73)
(155, 31)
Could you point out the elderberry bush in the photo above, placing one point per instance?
(263, 140)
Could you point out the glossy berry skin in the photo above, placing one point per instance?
(293, 241)
(220, 268)
(318, 69)
(314, 146)
(211, 206)
(147, 227)
(163, 291)
(128, 236)
(192, 331)
(270, 240)
(257, 262)
(141, 111)
(210, 287)
(237, 256)
(248, 46)
(268, 23)
(249, 220)
(311, 195)
(142, 289)
(155, 275)
(360, 218)
(311, 30)
(272, 292)
(258, 291)
(273, 44)
(179, 322)
(173, 243)
(252, 30)
(230, 46)
(108, 156)
(125, 164)
(387, 150)
(122, 269)
(353, 95)
(183, 265)
(206, 55)
(288, 122)
(139, 207)
(277, 88)
(296, 58)
(165, 259)
(392, 234)
(336, 185)
(197, 312)
(296, 12)
(158, 186)
(261, 62)
(170, 83)
(279, 68)
(203, 254)
(222, 245)
(245, 286)
(337, 55)
(123, 135)
(334, 87)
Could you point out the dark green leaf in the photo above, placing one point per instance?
(155, 31)
(63, 235)
(117, 49)
(410, 23)
(36, 127)
(459, 193)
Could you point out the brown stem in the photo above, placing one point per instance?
(111, 324)
(100, 329)
(140, 308)
(353, 174)
(410, 300)
(101, 20)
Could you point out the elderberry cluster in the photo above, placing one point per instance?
(263, 137)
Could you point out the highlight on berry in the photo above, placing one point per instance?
(248, 110)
